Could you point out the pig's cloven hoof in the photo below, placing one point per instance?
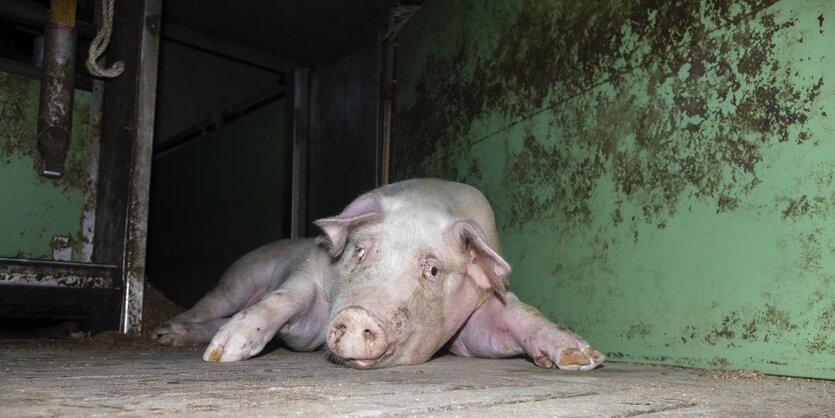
(168, 335)
(242, 337)
(213, 355)
(573, 359)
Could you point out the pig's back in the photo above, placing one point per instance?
(458, 199)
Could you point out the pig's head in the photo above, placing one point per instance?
(407, 278)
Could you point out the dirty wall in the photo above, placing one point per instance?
(662, 172)
(36, 210)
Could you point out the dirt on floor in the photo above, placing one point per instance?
(157, 309)
(134, 376)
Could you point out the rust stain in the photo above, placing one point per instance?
(61, 243)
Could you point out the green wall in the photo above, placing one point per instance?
(33, 208)
(214, 199)
(662, 172)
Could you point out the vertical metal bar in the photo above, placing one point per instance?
(386, 61)
(57, 88)
(301, 135)
(141, 156)
(88, 220)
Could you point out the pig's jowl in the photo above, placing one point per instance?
(402, 272)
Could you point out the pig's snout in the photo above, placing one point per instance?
(356, 334)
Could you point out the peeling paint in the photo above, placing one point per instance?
(72, 275)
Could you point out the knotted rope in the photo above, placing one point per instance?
(100, 43)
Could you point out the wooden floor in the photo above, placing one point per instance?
(77, 380)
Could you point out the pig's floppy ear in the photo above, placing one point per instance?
(363, 209)
(484, 264)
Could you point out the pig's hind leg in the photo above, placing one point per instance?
(187, 333)
(511, 328)
(198, 324)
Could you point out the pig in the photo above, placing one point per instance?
(404, 271)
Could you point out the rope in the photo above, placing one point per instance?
(100, 43)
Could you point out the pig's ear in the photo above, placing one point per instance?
(484, 265)
(363, 209)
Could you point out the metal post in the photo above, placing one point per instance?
(301, 135)
(57, 86)
(140, 182)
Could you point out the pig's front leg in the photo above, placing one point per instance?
(248, 331)
(512, 328)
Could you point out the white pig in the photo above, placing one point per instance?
(402, 272)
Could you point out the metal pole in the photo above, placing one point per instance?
(141, 157)
(57, 85)
(301, 134)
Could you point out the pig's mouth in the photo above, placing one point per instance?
(360, 364)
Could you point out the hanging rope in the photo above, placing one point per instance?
(100, 43)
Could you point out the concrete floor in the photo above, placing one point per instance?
(77, 380)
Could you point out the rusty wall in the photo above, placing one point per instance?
(35, 209)
(662, 172)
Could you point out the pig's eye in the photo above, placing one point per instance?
(359, 252)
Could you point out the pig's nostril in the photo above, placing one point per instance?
(338, 331)
(356, 334)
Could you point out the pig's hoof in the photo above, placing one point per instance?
(236, 341)
(170, 334)
(220, 349)
(217, 351)
(574, 359)
(213, 354)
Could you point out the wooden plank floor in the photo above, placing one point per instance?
(78, 380)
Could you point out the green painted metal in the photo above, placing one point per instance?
(34, 209)
(214, 199)
(662, 172)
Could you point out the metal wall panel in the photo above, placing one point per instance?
(343, 134)
(662, 172)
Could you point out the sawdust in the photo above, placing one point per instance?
(733, 374)
(157, 309)
(708, 373)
